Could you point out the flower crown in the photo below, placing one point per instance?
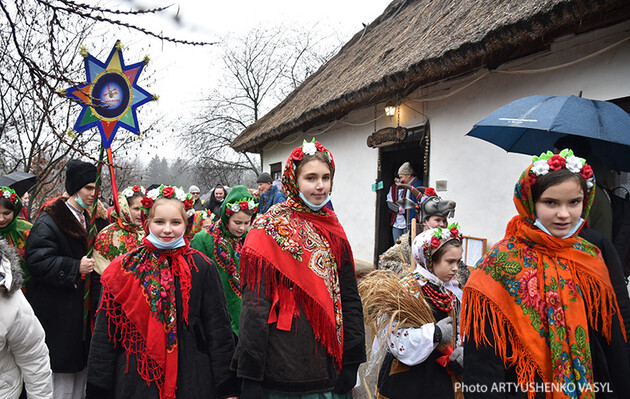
(171, 193)
(131, 190)
(438, 238)
(244, 204)
(548, 161)
(309, 149)
(10, 194)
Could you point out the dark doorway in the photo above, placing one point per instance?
(413, 149)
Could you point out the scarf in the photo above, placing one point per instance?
(117, 238)
(139, 300)
(540, 295)
(297, 252)
(16, 233)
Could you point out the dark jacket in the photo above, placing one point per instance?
(205, 347)
(271, 197)
(53, 254)
(294, 361)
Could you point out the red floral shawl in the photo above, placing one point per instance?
(139, 301)
(541, 294)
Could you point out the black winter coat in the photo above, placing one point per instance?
(294, 361)
(54, 249)
(205, 347)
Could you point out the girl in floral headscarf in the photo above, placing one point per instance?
(222, 243)
(125, 233)
(301, 329)
(422, 358)
(162, 330)
(539, 307)
(14, 229)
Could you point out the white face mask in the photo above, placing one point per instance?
(312, 206)
(575, 228)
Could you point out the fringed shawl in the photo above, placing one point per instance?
(539, 295)
(139, 300)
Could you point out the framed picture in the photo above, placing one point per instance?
(474, 248)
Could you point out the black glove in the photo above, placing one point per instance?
(251, 389)
(347, 378)
(443, 330)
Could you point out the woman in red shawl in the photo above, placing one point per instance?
(301, 328)
(540, 315)
(162, 330)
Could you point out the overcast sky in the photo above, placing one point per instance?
(181, 74)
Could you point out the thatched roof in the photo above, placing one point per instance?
(416, 42)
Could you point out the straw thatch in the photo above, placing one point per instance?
(416, 42)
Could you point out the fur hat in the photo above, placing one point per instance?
(406, 169)
(78, 175)
(264, 177)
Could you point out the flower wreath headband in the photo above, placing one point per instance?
(246, 203)
(549, 161)
(289, 176)
(10, 194)
(131, 190)
(437, 239)
(169, 192)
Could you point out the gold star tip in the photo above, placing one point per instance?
(61, 92)
(156, 97)
(146, 60)
(119, 45)
(84, 51)
(71, 133)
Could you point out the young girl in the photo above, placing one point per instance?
(222, 243)
(301, 328)
(201, 220)
(162, 330)
(123, 235)
(421, 359)
(539, 306)
(14, 229)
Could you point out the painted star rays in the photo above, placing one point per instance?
(111, 97)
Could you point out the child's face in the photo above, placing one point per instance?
(134, 210)
(314, 179)
(447, 266)
(238, 223)
(167, 224)
(435, 221)
(559, 207)
(6, 216)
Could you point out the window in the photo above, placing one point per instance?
(276, 170)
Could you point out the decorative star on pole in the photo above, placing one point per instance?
(111, 96)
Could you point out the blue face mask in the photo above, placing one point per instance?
(312, 206)
(166, 245)
(80, 202)
(575, 228)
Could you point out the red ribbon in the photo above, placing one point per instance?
(443, 360)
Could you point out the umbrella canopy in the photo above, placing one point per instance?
(21, 182)
(531, 125)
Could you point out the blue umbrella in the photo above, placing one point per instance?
(531, 125)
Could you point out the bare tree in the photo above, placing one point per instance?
(259, 69)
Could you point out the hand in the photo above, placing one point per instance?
(444, 330)
(401, 210)
(347, 378)
(458, 356)
(251, 389)
(86, 266)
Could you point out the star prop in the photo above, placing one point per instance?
(111, 96)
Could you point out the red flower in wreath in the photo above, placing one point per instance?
(435, 242)
(319, 147)
(430, 192)
(586, 171)
(244, 205)
(13, 197)
(188, 203)
(454, 232)
(147, 202)
(297, 154)
(1, 192)
(135, 189)
(556, 162)
(229, 212)
(168, 192)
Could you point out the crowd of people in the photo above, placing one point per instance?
(253, 294)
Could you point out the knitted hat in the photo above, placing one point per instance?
(264, 177)
(78, 175)
(405, 169)
(193, 189)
